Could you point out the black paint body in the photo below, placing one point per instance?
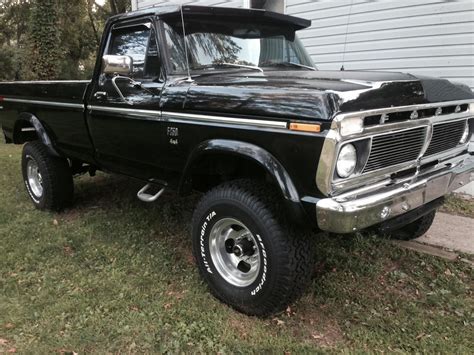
(141, 146)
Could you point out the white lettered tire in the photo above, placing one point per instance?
(248, 259)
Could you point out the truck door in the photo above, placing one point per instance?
(126, 129)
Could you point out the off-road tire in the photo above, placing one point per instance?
(285, 254)
(57, 181)
(415, 229)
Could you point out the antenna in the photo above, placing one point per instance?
(345, 38)
(189, 79)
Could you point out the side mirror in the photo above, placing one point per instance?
(117, 64)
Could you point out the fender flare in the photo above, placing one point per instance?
(40, 130)
(249, 151)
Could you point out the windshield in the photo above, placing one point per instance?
(234, 45)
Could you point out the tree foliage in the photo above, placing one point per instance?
(44, 50)
(52, 39)
(14, 19)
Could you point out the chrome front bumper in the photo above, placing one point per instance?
(352, 212)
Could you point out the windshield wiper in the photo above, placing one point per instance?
(230, 65)
(288, 64)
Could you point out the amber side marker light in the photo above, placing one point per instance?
(305, 127)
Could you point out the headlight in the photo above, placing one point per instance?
(465, 134)
(351, 125)
(346, 161)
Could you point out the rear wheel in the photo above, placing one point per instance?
(247, 257)
(416, 228)
(48, 179)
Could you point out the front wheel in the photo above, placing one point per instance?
(47, 178)
(415, 229)
(245, 255)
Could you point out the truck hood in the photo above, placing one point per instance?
(315, 95)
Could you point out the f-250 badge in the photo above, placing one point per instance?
(173, 133)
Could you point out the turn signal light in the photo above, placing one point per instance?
(305, 127)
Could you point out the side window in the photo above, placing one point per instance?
(132, 41)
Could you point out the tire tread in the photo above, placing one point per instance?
(57, 178)
(292, 249)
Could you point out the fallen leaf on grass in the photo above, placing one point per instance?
(278, 321)
(422, 335)
(290, 312)
(68, 250)
(3, 341)
(9, 326)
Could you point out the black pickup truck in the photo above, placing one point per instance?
(228, 102)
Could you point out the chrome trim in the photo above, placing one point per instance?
(229, 120)
(361, 209)
(428, 137)
(151, 115)
(346, 196)
(188, 117)
(325, 171)
(178, 117)
(47, 82)
(404, 108)
(145, 197)
(45, 103)
(388, 127)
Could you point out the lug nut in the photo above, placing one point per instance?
(243, 247)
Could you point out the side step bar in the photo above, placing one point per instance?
(147, 197)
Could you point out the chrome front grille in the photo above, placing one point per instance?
(446, 136)
(395, 148)
(394, 143)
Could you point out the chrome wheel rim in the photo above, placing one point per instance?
(35, 180)
(234, 252)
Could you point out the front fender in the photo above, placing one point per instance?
(249, 151)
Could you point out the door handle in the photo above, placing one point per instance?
(100, 95)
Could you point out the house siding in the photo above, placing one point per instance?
(433, 38)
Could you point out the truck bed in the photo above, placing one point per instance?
(58, 105)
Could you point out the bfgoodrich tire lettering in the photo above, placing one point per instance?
(284, 258)
(52, 187)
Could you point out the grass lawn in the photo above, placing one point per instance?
(459, 205)
(117, 275)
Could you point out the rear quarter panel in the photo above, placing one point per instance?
(59, 105)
